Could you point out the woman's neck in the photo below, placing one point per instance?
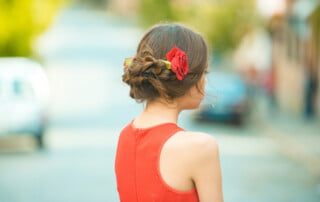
(157, 113)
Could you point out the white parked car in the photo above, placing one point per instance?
(24, 96)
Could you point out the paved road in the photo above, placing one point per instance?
(83, 54)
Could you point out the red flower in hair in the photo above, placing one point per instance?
(179, 62)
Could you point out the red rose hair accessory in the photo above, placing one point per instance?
(179, 62)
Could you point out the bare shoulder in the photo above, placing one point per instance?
(202, 144)
(200, 139)
(198, 155)
(197, 140)
(195, 144)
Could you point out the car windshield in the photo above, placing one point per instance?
(228, 88)
(22, 89)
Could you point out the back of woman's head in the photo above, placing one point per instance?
(148, 76)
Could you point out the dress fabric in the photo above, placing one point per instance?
(137, 166)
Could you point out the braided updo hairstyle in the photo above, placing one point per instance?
(148, 76)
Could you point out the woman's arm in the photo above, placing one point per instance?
(206, 171)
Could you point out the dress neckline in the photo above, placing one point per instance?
(151, 127)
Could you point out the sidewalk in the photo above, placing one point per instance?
(298, 138)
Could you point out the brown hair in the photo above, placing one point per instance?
(148, 76)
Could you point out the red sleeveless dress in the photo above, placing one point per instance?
(137, 166)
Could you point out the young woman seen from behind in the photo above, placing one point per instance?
(156, 160)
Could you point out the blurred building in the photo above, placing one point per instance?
(296, 56)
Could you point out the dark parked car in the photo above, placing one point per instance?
(24, 95)
(226, 99)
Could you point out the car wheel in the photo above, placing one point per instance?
(237, 120)
(39, 136)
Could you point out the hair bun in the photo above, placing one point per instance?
(148, 75)
(143, 67)
(145, 72)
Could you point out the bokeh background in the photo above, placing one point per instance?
(62, 102)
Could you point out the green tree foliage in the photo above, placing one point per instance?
(154, 11)
(21, 21)
(223, 22)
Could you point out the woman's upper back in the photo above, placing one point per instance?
(140, 177)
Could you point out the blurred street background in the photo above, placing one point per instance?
(59, 124)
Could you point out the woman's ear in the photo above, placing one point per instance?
(202, 84)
